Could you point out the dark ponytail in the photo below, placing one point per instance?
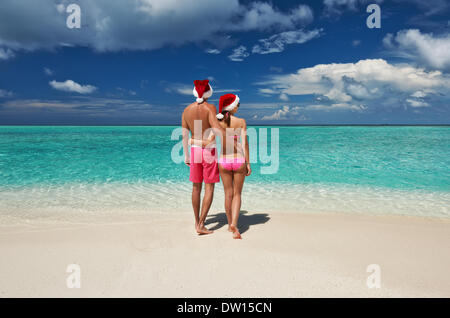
(226, 116)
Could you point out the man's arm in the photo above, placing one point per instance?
(185, 128)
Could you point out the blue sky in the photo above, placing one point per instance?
(291, 62)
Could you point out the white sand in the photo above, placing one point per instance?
(281, 255)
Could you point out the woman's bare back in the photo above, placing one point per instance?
(232, 143)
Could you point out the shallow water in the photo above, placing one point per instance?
(61, 171)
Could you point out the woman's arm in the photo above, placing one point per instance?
(204, 142)
(244, 139)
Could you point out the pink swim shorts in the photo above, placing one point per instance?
(203, 166)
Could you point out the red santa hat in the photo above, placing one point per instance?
(227, 102)
(202, 90)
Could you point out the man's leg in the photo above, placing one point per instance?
(196, 191)
(206, 204)
(210, 176)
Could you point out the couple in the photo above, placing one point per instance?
(200, 119)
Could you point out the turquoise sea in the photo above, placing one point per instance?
(63, 171)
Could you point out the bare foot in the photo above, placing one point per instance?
(202, 230)
(229, 228)
(236, 234)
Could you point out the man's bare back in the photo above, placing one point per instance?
(204, 112)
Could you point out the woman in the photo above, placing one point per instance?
(234, 164)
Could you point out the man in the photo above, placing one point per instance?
(197, 118)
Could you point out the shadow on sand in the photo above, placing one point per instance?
(245, 220)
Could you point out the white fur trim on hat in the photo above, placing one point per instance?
(232, 105)
(207, 94)
(219, 116)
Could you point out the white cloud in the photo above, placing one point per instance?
(239, 54)
(284, 113)
(5, 93)
(267, 91)
(184, 89)
(35, 103)
(87, 109)
(417, 103)
(428, 7)
(226, 90)
(60, 8)
(6, 54)
(112, 25)
(284, 97)
(71, 86)
(336, 106)
(81, 103)
(361, 85)
(212, 51)
(297, 111)
(281, 113)
(323, 78)
(337, 7)
(417, 99)
(276, 69)
(48, 71)
(425, 48)
(388, 41)
(360, 91)
(419, 94)
(277, 42)
(263, 16)
(123, 91)
(181, 89)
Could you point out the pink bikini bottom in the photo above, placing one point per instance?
(231, 164)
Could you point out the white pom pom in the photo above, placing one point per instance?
(219, 116)
(199, 100)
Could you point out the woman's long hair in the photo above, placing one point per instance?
(227, 117)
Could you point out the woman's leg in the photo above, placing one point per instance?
(227, 180)
(238, 178)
